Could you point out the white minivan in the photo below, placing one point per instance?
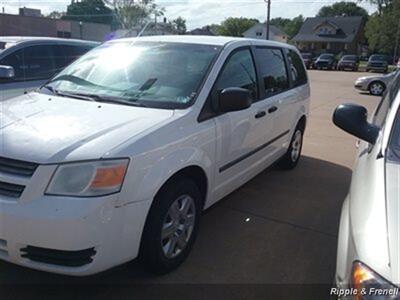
(368, 256)
(26, 63)
(116, 157)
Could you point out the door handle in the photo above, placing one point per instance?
(260, 114)
(272, 109)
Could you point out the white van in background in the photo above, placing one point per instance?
(28, 62)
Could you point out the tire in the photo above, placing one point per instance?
(376, 88)
(155, 252)
(289, 161)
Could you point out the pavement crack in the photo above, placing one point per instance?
(283, 222)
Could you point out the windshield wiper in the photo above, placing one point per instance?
(108, 99)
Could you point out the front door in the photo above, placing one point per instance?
(241, 135)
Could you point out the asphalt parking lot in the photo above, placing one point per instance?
(281, 227)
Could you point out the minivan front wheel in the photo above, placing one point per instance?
(171, 226)
(291, 158)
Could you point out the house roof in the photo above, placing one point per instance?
(201, 31)
(261, 26)
(347, 29)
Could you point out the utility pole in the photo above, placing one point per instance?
(268, 16)
(396, 45)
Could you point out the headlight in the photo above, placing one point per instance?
(88, 179)
(370, 285)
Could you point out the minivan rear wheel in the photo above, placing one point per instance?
(291, 158)
(171, 226)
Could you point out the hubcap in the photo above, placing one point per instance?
(377, 89)
(178, 226)
(296, 145)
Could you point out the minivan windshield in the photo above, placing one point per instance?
(151, 74)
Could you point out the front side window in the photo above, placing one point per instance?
(297, 70)
(154, 74)
(273, 70)
(31, 63)
(239, 71)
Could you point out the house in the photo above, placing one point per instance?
(333, 35)
(201, 31)
(259, 31)
(29, 22)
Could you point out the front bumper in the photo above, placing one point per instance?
(91, 234)
(361, 85)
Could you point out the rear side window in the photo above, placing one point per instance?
(239, 71)
(297, 70)
(273, 70)
(72, 53)
(32, 63)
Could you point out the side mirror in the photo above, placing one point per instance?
(352, 118)
(6, 72)
(234, 99)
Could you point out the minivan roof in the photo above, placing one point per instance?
(24, 39)
(199, 39)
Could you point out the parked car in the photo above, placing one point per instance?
(28, 62)
(375, 85)
(308, 59)
(369, 239)
(349, 62)
(378, 62)
(137, 138)
(326, 61)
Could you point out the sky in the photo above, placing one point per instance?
(199, 13)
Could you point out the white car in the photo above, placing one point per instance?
(117, 155)
(376, 85)
(369, 241)
(27, 63)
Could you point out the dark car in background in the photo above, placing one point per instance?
(349, 62)
(26, 63)
(308, 59)
(378, 62)
(325, 61)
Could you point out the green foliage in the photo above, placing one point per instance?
(382, 28)
(290, 26)
(133, 13)
(179, 25)
(342, 9)
(93, 11)
(55, 15)
(236, 26)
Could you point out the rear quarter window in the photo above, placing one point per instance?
(297, 71)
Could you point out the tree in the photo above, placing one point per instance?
(342, 9)
(55, 15)
(289, 26)
(93, 11)
(179, 25)
(381, 29)
(236, 26)
(134, 13)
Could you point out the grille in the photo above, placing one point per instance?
(59, 257)
(11, 190)
(17, 167)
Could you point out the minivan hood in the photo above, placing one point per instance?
(47, 129)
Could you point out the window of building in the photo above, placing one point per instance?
(273, 70)
(239, 71)
(298, 72)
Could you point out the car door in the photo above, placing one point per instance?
(33, 66)
(276, 96)
(241, 135)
